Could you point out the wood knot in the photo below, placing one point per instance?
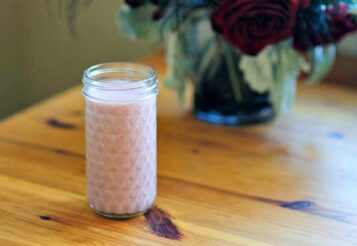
(59, 124)
(298, 205)
(161, 224)
(336, 135)
(45, 217)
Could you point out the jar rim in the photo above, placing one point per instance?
(149, 76)
(119, 82)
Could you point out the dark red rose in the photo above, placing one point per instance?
(251, 25)
(138, 3)
(157, 14)
(305, 3)
(135, 3)
(155, 2)
(340, 22)
(319, 27)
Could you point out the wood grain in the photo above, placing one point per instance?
(289, 182)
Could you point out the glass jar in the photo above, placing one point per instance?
(121, 138)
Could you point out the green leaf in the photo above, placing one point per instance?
(286, 69)
(322, 59)
(207, 53)
(192, 52)
(274, 70)
(136, 23)
(234, 77)
(207, 65)
(178, 65)
(258, 70)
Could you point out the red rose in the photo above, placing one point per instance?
(340, 22)
(251, 25)
(305, 3)
(319, 27)
(135, 3)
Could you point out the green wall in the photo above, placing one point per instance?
(38, 55)
(348, 46)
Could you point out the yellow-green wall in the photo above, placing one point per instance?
(38, 55)
(348, 46)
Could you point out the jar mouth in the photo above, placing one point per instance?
(120, 76)
(119, 82)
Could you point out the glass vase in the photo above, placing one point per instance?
(215, 100)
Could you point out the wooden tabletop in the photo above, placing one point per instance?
(291, 182)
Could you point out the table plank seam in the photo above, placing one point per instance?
(300, 206)
(41, 147)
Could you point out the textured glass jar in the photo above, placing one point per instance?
(121, 138)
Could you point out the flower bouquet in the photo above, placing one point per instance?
(243, 56)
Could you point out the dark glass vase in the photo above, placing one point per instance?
(215, 102)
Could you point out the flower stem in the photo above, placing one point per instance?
(232, 72)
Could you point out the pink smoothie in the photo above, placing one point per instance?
(121, 155)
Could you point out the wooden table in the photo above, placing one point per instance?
(292, 182)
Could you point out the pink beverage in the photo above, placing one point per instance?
(121, 138)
